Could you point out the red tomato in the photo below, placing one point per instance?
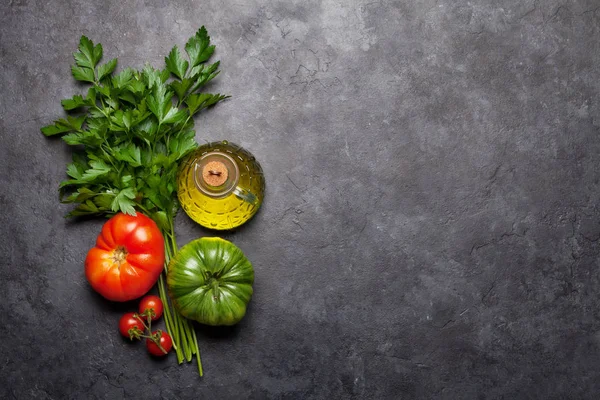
(165, 341)
(153, 303)
(127, 322)
(128, 258)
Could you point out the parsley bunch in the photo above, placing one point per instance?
(130, 131)
(133, 128)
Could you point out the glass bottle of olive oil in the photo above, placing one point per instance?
(220, 185)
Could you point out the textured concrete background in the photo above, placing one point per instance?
(431, 227)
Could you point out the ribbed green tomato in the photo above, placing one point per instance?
(210, 281)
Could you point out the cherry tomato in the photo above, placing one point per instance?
(128, 257)
(128, 324)
(165, 341)
(153, 304)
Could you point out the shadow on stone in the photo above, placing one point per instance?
(216, 332)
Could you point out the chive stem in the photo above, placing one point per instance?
(181, 330)
(200, 371)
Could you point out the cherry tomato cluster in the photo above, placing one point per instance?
(139, 325)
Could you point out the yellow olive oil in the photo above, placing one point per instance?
(220, 185)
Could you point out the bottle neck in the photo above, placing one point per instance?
(216, 174)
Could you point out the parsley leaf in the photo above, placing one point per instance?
(82, 74)
(86, 56)
(122, 79)
(199, 101)
(99, 168)
(106, 69)
(181, 87)
(129, 153)
(74, 171)
(71, 104)
(176, 64)
(89, 138)
(123, 201)
(57, 128)
(198, 48)
(63, 126)
(160, 102)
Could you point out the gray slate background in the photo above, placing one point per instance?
(431, 227)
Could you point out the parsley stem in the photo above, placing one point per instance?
(169, 320)
(177, 333)
(195, 341)
(185, 123)
(183, 337)
(167, 309)
(109, 158)
(190, 340)
(147, 213)
(181, 330)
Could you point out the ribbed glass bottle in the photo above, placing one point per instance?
(220, 185)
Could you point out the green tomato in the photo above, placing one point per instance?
(210, 281)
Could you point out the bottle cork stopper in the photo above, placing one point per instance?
(215, 173)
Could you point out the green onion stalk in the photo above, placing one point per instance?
(180, 328)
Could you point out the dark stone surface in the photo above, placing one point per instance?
(431, 227)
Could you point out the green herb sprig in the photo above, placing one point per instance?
(130, 131)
